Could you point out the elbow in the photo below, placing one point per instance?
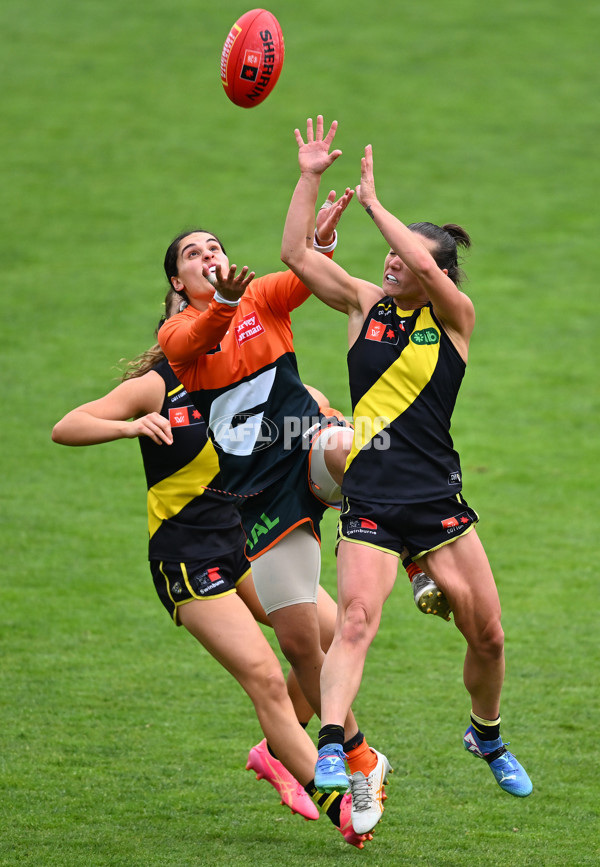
(426, 270)
(56, 435)
(292, 258)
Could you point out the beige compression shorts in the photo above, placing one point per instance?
(288, 573)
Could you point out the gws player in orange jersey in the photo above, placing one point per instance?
(232, 348)
(202, 577)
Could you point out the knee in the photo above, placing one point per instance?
(268, 682)
(357, 625)
(300, 649)
(489, 639)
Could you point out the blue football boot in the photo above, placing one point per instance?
(509, 773)
(330, 770)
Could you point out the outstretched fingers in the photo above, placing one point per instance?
(241, 280)
(366, 189)
(233, 284)
(332, 131)
(313, 154)
(330, 212)
(310, 133)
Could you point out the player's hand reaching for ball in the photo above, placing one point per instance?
(365, 191)
(328, 216)
(313, 155)
(230, 286)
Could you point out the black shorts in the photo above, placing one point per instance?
(280, 508)
(418, 527)
(216, 573)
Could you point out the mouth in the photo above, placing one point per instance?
(389, 278)
(212, 274)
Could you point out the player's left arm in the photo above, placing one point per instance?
(132, 409)
(454, 309)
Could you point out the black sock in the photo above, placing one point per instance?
(331, 735)
(488, 730)
(328, 803)
(354, 742)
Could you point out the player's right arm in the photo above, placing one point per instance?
(192, 332)
(129, 410)
(325, 278)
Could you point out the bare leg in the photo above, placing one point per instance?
(228, 631)
(285, 577)
(359, 612)
(461, 569)
(326, 613)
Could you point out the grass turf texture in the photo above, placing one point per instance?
(122, 743)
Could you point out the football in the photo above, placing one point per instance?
(252, 58)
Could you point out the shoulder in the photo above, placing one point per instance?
(368, 295)
(165, 372)
(149, 390)
(277, 281)
(280, 291)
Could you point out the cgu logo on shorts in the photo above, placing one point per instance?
(457, 522)
(249, 327)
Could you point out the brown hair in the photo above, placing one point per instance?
(448, 238)
(144, 362)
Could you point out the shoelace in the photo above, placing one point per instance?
(361, 796)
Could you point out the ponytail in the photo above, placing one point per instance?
(448, 238)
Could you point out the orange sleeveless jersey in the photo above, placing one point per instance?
(239, 368)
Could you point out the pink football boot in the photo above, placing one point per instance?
(346, 829)
(291, 792)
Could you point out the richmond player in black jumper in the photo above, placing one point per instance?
(402, 486)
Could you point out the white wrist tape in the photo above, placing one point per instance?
(220, 300)
(327, 249)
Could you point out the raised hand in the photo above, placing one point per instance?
(328, 215)
(232, 286)
(313, 155)
(365, 191)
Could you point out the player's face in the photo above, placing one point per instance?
(400, 282)
(199, 252)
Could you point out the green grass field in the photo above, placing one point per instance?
(122, 744)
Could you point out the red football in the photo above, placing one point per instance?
(252, 58)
